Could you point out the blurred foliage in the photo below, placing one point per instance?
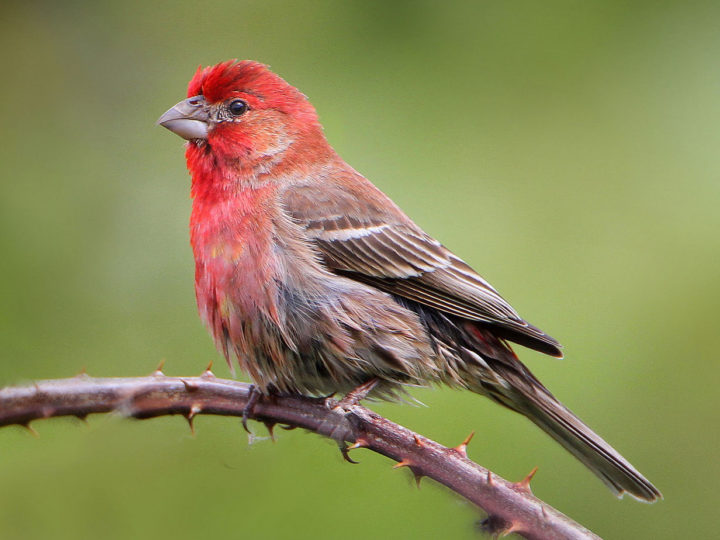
(568, 150)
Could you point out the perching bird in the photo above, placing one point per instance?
(316, 282)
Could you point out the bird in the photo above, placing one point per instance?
(316, 282)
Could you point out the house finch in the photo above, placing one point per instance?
(316, 282)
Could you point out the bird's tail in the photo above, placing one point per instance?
(556, 420)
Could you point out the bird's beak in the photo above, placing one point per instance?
(189, 118)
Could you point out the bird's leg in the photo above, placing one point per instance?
(352, 398)
(253, 398)
(357, 394)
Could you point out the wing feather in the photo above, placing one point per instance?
(360, 233)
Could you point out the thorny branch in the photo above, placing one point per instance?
(511, 506)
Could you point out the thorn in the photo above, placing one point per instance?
(359, 443)
(418, 442)
(490, 480)
(37, 387)
(31, 429)
(270, 426)
(418, 476)
(345, 451)
(524, 484)
(82, 373)
(462, 447)
(208, 374)
(544, 512)
(82, 417)
(511, 528)
(195, 408)
(416, 473)
(159, 370)
(190, 386)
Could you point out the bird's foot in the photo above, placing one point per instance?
(352, 398)
(253, 398)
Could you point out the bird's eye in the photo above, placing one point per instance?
(237, 107)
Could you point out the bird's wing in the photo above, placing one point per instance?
(360, 233)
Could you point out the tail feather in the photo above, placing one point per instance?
(583, 443)
(487, 365)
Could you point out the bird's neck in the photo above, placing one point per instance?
(218, 175)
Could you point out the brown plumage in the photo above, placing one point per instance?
(316, 282)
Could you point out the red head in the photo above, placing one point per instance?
(242, 115)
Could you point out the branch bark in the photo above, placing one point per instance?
(511, 506)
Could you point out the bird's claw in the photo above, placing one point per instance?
(249, 409)
(345, 451)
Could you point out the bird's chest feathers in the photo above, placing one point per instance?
(236, 264)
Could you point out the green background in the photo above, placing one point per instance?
(567, 150)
